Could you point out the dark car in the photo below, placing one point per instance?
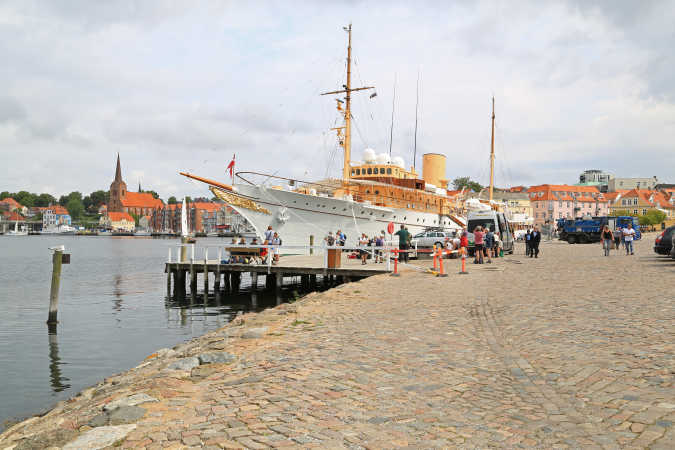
(672, 250)
(664, 241)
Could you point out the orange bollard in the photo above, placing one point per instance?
(440, 263)
(463, 272)
(435, 264)
(395, 274)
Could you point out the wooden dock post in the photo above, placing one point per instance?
(304, 282)
(57, 258)
(183, 249)
(312, 281)
(178, 284)
(254, 281)
(216, 282)
(206, 274)
(193, 280)
(168, 283)
(311, 243)
(236, 281)
(279, 281)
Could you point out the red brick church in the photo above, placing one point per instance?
(121, 200)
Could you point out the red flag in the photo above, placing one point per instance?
(230, 167)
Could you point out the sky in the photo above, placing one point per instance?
(185, 85)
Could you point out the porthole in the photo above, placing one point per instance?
(306, 204)
(333, 207)
(377, 192)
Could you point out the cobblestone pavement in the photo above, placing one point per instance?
(570, 350)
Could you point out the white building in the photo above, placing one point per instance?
(619, 184)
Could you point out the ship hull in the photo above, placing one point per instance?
(296, 216)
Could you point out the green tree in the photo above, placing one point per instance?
(644, 220)
(75, 208)
(25, 198)
(4, 195)
(64, 199)
(188, 200)
(154, 194)
(44, 200)
(172, 200)
(466, 182)
(135, 216)
(655, 217)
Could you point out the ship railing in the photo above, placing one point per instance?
(389, 251)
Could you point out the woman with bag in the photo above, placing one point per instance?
(607, 239)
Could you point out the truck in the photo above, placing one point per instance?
(589, 229)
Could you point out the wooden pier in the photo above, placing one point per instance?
(227, 277)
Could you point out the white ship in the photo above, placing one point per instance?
(18, 231)
(371, 194)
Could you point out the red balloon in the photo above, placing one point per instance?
(390, 228)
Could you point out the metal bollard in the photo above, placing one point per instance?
(395, 274)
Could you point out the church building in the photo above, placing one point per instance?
(122, 201)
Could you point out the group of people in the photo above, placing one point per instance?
(532, 240)
(487, 244)
(613, 239)
(338, 239)
(271, 238)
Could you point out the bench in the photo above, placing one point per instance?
(251, 254)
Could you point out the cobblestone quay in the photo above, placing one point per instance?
(571, 350)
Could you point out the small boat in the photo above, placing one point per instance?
(16, 231)
(142, 233)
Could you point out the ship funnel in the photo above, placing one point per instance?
(433, 169)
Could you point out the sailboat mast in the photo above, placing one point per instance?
(346, 170)
(417, 102)
(347, 143)
(492, 151)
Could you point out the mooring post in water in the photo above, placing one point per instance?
(279, 281)
(57, 260)
(168, 282)
(206, 273)
(311, 244)
(254, 281)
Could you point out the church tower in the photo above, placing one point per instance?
(118, 190)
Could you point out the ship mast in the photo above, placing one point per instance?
(492, 151)
(347, 143)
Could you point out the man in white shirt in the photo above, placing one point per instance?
(628, 235)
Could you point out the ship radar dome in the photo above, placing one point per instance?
(369, 156)
(383, 158)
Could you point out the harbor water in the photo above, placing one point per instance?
(113, 312)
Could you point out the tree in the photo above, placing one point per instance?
(135, 216)
(75, 208)
(4, 195)
(655, 217)
(154, 194)
(25, 198)
(44, 200)
(98, 198)
(466, 182)
(172, 200)
(64, 199)
(188, 199)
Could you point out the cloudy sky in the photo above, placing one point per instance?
(175, 85)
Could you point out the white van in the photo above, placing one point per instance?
(496, 222)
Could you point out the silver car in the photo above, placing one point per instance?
(431, 238)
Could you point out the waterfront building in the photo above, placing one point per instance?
(121, 200)
(519, 207)
(641, 201)
(145, 223)
(632, 183)
(595, 177)
(118, 221)
(552, 202)
(9, 204)
(55, 216)
(202, 217)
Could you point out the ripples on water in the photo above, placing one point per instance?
(113, 312)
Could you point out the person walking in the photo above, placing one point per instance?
(489, 244)
(478, 242)
(269, 234)
(463, 243)
(528, 236)
(403, 243)
(379, 242)
(617, 237)
(276, 241)
(535, 239)
(628, 236)
(607, 239)
(363, 243)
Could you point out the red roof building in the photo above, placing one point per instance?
(10, 204)
(551, 202)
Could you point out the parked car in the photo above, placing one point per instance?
(672, 249)
(664, 241)
(430, 238)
